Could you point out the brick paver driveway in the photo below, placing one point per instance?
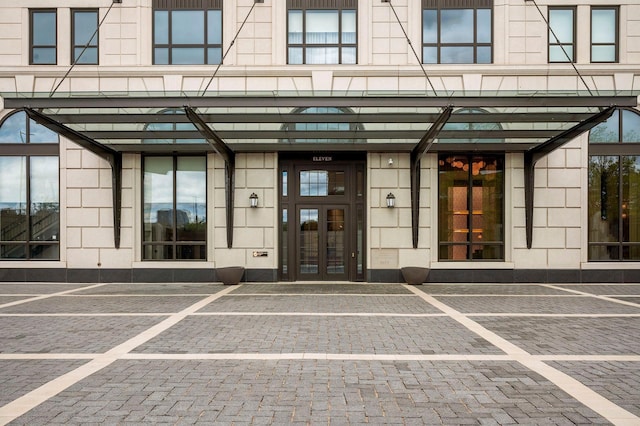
(534, 354)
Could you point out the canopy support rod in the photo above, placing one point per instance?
(113, 157)
(532, 156)
(229, 48)
(406, 36)
(417, 152)
(229, 158)
(86, 46)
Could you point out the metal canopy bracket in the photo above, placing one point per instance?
(113, 157)
(417, 152)
(229, 165)
(532, 156)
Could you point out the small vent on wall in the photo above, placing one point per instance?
(322, 4)
(456, 4)
(187, 4)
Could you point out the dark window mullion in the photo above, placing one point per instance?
(470, 208)
(174, 224)
(620, 203)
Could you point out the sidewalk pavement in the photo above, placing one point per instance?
(319, 353)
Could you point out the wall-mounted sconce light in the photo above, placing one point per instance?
(391, 200)
(253, 198)
(390, 162)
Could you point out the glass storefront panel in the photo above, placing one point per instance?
(471, 207)
(191, 198)
(13, 200)
(630, 208)
(158, 199)
(175, 208)
(45, 207)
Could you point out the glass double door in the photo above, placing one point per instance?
(322, 220)
(323, 242)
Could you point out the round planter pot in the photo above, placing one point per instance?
(230, 275)
(414, 274)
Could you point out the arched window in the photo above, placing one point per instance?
(471, 127)
(29, 190)
(170, 126)
(322, 126)
(614, 188)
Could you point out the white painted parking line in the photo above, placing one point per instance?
(20, 406)
(595, 296)
(607, 409)
(316, 314)
(46, 296)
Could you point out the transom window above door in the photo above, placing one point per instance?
(322, 32)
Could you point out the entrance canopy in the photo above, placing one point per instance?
(353, 121)
(111, 123)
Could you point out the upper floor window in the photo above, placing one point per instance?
(43, 37)
(84, 36)
(29, 190)
(187, 32)
(562, 34)
(322, 32)
(457, 32)
(604, 34)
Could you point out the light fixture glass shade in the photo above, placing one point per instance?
(253, 198)
(391, 200)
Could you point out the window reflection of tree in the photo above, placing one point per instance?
(614, 190)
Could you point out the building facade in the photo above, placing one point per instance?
(320, 140)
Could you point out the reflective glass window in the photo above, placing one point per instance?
(29, 190)
(614, 189)
(43, 37)
(319, 35)
(84, 36)
(471, 207)
(562, 34)
(321, 183)
(457, 35)
(604, 34)
(187, 36)
(175, 208)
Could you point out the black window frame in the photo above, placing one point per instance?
(95, 39)
(174, 243)
(32, 28)
(469, 215)
(186, 5)
(439, 6)
(339, 6)
(618, 149)
(28, 150)
(551, 42)
(616, 43)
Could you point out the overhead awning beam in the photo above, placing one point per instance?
(113, 157)
(382, 117)
(229, 166)
(228, 101)
(320, 134)
(532, 156)
(417, 152)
